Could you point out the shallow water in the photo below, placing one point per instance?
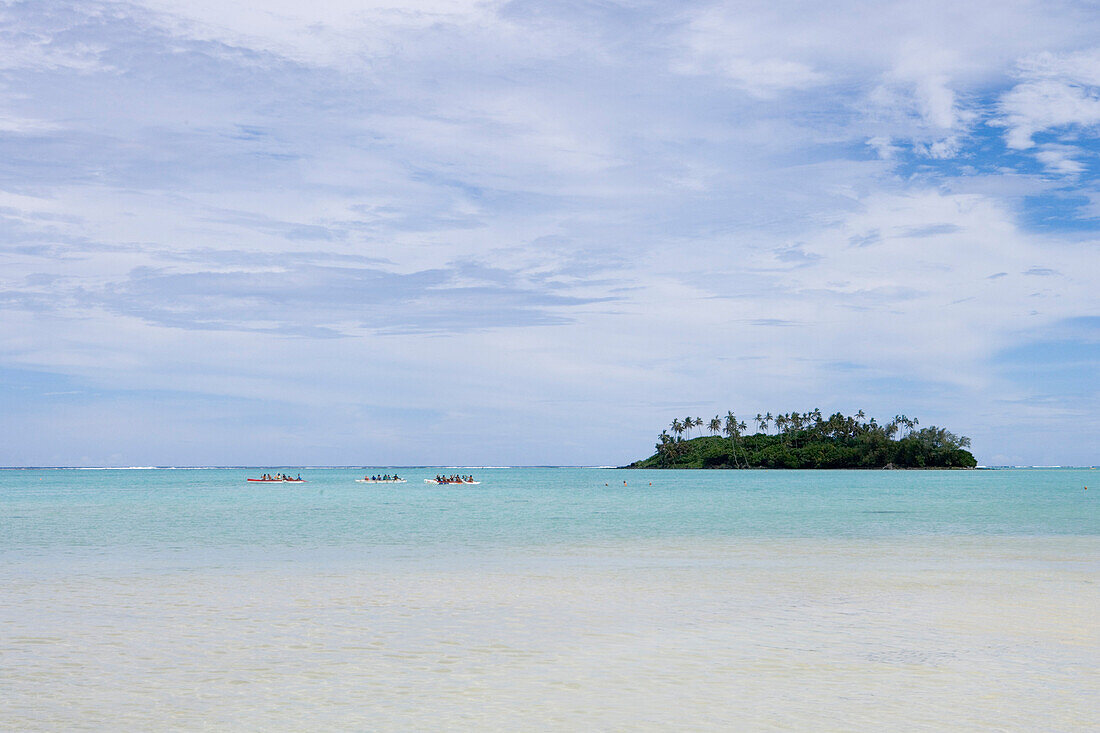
(544, 599)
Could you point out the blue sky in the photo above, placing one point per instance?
(533, 233)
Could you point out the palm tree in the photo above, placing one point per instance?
(759, 419)
(892, 428)
(664, 446)
(715, 426)
(677, 427)
(908, 423)
(767, 420)
(740, 428)
(732, 428)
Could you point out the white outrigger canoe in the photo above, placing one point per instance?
(450, 483)
(381, 481)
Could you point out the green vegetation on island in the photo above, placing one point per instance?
(809, 440)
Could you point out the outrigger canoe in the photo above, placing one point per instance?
(381, 481)
(277, 480)
(447, 483)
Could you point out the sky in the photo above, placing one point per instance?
(530, 233)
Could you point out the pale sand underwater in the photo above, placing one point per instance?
(909, 633)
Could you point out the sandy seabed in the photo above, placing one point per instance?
(931, 633)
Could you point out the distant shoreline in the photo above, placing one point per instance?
(633, 467)
(518, 467)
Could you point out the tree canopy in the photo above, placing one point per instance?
(809, 440)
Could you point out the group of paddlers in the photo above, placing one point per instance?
(455, 479)
(279, 477)
(383, 477)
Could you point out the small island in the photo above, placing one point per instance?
(808, 440)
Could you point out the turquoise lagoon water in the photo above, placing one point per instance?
(550, 598)
(158, 511)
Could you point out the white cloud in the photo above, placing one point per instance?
(760, 77)
(22, 125)
(942, 149)
(1081, 66)
(923, 71)
(724, 43)
(916, 100)
(1054, 91)
(1060, 159)
(937, 102)
(339, 32)
(39, 53)
(884, 146)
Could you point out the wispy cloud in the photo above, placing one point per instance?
(1055, 91)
